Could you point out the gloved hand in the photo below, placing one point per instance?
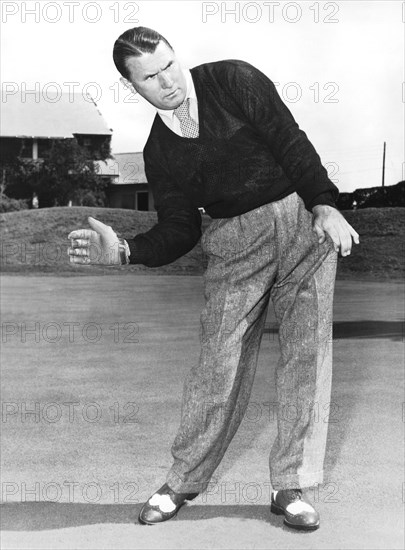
(98, 245)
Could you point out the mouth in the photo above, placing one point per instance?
(172, 94)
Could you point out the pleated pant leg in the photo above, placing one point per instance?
(270, 251)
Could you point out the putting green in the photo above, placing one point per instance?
(92, 373)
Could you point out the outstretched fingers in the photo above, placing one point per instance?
(79, 259)
(81, 234)
(80, 243)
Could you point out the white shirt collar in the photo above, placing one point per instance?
(190, 93)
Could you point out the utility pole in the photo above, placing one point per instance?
(383, 166)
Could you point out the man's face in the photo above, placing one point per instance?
(158, 77)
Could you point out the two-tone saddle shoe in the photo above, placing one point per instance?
(297, 510)
(163, 505)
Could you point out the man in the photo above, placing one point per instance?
(222, 139)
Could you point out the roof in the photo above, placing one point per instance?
(107, 167)
(131, 168)
(50, 116)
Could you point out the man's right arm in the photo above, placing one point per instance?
(178, 229)
(179, 223)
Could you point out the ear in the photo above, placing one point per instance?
(128, 85)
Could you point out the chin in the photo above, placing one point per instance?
(177, 103)
(172, 103)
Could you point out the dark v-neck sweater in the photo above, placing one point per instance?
(250, 151)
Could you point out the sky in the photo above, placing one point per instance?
(338, 66)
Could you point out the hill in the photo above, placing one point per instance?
(35, 241)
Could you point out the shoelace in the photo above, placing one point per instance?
(294, 494)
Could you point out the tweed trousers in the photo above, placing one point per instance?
(269, 252)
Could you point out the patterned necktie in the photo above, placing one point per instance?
(188, 126)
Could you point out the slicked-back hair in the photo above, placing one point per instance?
(135, 42)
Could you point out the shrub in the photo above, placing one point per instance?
(7, 204)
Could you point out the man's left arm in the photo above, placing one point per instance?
(295, 154)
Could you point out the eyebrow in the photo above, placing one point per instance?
(153, 74)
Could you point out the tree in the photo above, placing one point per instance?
(17, 175)
(65, 173)
(8, 204)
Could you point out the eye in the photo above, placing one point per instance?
(169, 65)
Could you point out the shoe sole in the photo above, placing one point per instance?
(142, 522)
(280, 512)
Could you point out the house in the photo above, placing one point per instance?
(130, 189)
(29, 124)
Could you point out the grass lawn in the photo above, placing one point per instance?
(92, 370)
(100, 362)
(35, 241)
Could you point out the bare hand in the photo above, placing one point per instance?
(98, 245)
(329, 220)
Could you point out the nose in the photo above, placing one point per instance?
(165, 80)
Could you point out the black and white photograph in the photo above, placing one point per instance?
(202, 275)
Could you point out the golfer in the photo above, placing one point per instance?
(222, 139)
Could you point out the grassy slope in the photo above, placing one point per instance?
(36, 241)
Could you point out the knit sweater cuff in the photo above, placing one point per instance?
(327, 197)
(140, 250)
